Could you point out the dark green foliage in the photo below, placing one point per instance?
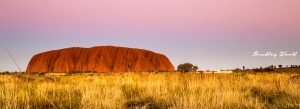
(187, 67)
(195, 68)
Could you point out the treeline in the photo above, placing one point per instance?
(270, 68)
(7, 72)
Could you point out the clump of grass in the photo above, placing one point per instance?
(295, 78)
(275, 99)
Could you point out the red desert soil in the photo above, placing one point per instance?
(99, 59)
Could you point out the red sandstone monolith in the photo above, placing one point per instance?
(99, 59)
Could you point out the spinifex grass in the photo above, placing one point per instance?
(150, 90)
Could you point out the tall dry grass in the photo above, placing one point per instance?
(150, 90)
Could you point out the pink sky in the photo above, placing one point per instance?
(220, 17)
(210, 33)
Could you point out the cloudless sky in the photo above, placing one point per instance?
(213, 34)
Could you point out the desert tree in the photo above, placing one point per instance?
(187, 67)
(195, 68)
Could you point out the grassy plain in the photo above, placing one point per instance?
(150, 90)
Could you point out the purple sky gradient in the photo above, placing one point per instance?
(213, 34)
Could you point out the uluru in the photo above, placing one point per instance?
(99, 59)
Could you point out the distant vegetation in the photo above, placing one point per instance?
(271, 69)
(150, 90)
(188, 67)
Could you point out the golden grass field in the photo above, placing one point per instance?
(150, 90)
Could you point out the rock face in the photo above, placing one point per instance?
(99, 59)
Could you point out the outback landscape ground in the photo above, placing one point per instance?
(149, 54)
(150, 90)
